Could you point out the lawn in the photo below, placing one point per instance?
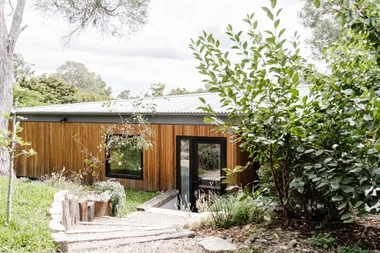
(136, 198)
(28, 230)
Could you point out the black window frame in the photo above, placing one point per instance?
(120, 175)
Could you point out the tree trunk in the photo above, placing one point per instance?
(6, 97)
(7, 46)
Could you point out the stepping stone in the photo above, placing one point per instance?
(216, 244)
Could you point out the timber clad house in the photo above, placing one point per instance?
(179, 159)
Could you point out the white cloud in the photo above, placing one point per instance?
(158, 53)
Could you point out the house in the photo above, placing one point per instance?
(187, 154)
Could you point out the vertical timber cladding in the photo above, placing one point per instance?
(56, 150)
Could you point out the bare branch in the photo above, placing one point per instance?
(16, 25)
(11, 5)
(119, 18)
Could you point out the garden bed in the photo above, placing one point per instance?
(275, 238)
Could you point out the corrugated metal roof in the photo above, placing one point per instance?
(176, 105)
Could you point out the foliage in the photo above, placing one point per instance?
(325, 27)
(239, 209)
(136, 198)
(77, 74)
(353, 249)
(116, 190)
(182, 91)
(102, 197)
(361, 17)
(210, 158)
(28, 230)
(260, 93)
(90, 97)
(53, 90)
(156, 90)
(21, 69)
(321, 151)
(322, 241)
(63, 180)
(343, 147)
(27, 97)
(125, 94)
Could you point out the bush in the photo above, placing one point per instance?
(241, 208)
(116, 190)
(322, 241)
(353, 249)
(28, 230)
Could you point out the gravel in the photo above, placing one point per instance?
(183, 245)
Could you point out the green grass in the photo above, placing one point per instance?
(28, 230)
(136, 198)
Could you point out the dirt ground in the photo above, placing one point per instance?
(295, 238)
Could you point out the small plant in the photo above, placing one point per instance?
(322, 241)
(204, 201)
(63, 180)
(102, 197)
(117, 194)
(14, 146)
(239, 209)
(353, 249)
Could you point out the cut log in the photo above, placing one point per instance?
(83, 210)
(66, 221)
(73, 209)
(91, 211)
(102, 208)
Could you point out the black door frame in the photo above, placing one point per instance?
(193, 159)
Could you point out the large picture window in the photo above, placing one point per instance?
(124, 161)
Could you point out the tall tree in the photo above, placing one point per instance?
(156, 90)
(86, 81)
(52, 89)
(125, 94)
(178, 91)
(114, 17)
(182, 91)
(21, 68)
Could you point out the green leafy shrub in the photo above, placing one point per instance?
(210, 158)
(241, 208)
(353, 249)
(319, 152)
(29, 228)
(322, 241)
(116, 190)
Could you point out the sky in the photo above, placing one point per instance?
(159, 52)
